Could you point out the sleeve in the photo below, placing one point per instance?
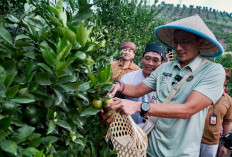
(211, 84)
(228, 116)
(151, 80)
(123, 79)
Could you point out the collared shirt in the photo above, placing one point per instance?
(119, 70)
(223, 110)
(182, 137)
(134, 78)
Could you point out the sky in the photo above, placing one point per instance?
(220, 5)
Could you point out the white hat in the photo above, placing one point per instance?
(193, 24)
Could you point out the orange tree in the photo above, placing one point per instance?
(52, 64)
(128, 20)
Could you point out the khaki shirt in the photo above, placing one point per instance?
(119, 70)
(223, 110)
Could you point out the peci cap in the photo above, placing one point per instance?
(193, 24)
(128, 44)
(154, 47)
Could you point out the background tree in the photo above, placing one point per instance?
(128, 20)
(52, 66)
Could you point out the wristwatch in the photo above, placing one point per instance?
(145, 107)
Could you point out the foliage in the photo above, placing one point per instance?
(52, 64)
(128, 20)
(225, 61)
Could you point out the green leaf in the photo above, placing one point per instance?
(5, 35)
(64, 124)
(83, 15)
(25, 131)
(29, 55)
(39, 154)
(23, 99)
(2, 74)
(12, 91)
(9, 78)
(5, 123)
(82, 34)
(43, 79)
(60, 66)
(84, 86)
(30, 151)
(82, 96)
(59, 6)
(54, 20)
(59, 98)
(68, 87)
(53, 10)
(80, 142)
(30, 76)
(9, 146)
(67, 33)
(48, 54)
(12, 18)
(30, 66)
(45, 67)
(89, 112)
(3, 134)
(64, 53)
(49, 139)
(81, 56)
(104, 74)
(22, 36)
(51, 127)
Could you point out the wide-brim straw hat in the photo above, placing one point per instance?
(193, 24)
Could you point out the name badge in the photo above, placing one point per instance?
(213, 119)
(167, 74)
(190, 78)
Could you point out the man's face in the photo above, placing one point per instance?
(186, 46)
(151, 61)
(128, 53)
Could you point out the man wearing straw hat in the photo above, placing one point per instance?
(180, 125)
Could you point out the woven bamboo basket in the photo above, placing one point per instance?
(127, 137)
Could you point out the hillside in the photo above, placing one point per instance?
(219, 22)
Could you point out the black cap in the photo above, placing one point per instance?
(154, 47)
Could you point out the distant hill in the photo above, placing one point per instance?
(219, 22)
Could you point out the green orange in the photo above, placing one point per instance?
(97, 103)
(107, 101)
(9, 107)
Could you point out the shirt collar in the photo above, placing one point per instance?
(192, 65)
(120, 63)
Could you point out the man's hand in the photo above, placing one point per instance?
(115, 88)
(222, 152)
(106, 117)
(169, 56)
(124, 106)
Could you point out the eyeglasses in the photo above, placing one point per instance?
(183, 43)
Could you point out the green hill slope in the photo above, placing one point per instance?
(219, 22)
